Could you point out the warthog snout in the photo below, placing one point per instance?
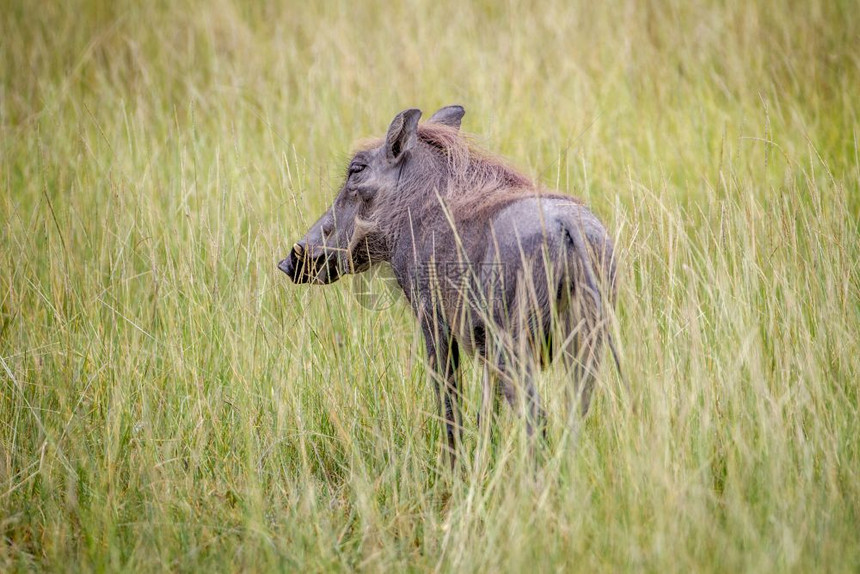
(309, 265)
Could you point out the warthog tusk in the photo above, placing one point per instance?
(300, 251)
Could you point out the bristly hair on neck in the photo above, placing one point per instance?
(474, 182)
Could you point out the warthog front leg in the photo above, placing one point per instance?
(443, 355)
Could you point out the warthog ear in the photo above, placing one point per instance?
(402, 134)
(449, 116)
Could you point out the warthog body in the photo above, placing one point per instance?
(491, 264)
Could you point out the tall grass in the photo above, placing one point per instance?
(168, 401)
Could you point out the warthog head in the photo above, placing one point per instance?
(346, 239)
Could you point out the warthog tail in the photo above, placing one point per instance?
(577, 240)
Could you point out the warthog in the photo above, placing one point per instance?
(492, 264)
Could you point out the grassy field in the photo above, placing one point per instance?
(169, 401)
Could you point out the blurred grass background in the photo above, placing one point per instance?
(169, 401)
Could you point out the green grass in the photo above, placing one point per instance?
(169, 401)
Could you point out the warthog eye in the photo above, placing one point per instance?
(356, 168)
